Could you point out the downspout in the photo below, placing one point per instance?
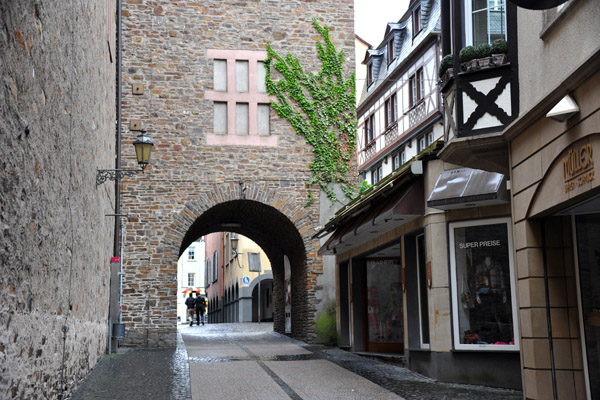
(118, 147)
(117, 251)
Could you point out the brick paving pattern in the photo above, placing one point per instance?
(250, 361)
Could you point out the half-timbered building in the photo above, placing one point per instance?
(424, 256)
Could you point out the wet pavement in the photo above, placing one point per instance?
(139, 374)
(250, 361)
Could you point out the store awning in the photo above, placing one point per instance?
(466, 187)
(404, 205)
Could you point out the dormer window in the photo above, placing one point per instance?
(416, 19)
(390, 50)
(370, 74)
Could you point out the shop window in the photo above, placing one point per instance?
(485, 21)
(391, 110)
(482, 276)
(385, 319)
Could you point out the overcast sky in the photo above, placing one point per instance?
(371, 17)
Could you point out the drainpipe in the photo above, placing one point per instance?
(118, 147)
(117, 250)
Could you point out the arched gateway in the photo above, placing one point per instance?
(274, 222)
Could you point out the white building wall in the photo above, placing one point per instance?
(186, 266)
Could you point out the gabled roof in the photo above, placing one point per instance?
(369, 45)
(404, 42)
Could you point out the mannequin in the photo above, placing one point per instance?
(490, 297)
(489, 279)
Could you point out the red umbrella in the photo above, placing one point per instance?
(191, 289)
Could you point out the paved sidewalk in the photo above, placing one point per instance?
(157, 374)
(250, 361)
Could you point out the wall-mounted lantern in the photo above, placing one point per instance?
(143, 149)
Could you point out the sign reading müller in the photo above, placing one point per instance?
(578, 167)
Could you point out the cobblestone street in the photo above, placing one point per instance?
(250, 361)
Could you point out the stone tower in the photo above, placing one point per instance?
(223, 160)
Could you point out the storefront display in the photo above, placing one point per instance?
(482, 275)
(384, 302)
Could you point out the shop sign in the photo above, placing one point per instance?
(578, 167)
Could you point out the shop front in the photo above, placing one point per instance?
(556, 202)
(427, 277)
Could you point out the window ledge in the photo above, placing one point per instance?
(551, 25)
(369, 145)
(417, 104)
(241, 140)
(486, 350)
(419, 350)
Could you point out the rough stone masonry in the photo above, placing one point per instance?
(192, 187)
(57, 125)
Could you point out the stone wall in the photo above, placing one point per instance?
(57, 102)
(166, 51)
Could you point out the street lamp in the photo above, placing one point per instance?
(143, 150)
(234, 244)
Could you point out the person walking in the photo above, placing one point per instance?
(190, 302)
(200, 309)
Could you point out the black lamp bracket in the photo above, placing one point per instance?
(104, 174)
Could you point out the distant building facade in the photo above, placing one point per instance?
(190, 274)
(213, 276)
(247, 273)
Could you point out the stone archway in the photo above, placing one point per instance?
(281, 226)
(277, 236)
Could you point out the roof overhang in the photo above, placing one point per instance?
(466, 187)
(383, 214)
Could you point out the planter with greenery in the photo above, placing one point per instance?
(474, 58)
(483, 56)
